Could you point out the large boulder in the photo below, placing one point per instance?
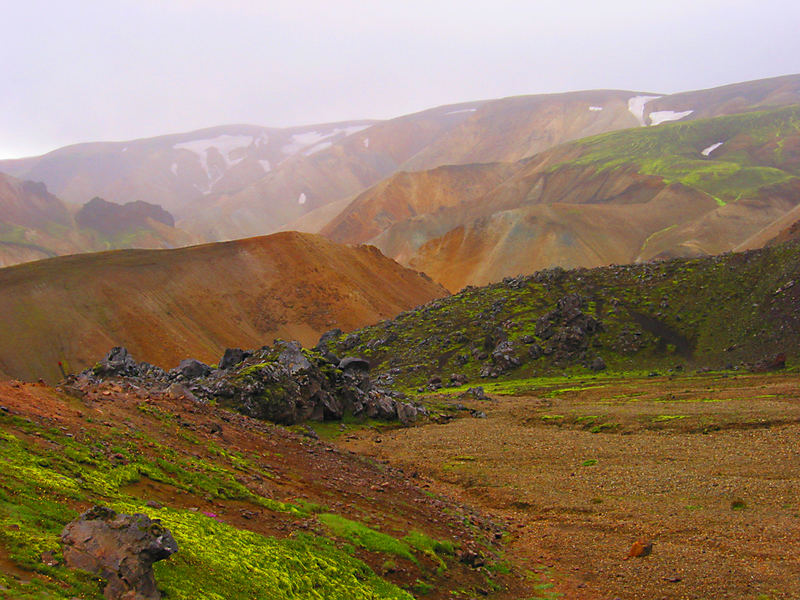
(190, 368)
(232, 357)
(119, 548)
(117, 363)
(291, 356)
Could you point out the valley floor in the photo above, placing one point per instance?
(707, 467)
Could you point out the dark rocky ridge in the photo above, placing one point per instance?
(285, 384)
(113, 219)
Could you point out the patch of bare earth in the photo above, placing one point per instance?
(707, 468)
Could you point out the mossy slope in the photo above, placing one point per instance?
(707, 312)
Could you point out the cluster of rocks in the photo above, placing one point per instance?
(285, 383)
(567, 330)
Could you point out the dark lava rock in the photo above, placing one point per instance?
(192, 369)
(117, 363)
(326, 338)
(119, 548)
(291, 356)
(598, 364)
(351, 363)
(504, 357)
(232, 357)
(770, 363)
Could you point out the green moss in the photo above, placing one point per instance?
(364, 537)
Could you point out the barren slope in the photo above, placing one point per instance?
(196, 301)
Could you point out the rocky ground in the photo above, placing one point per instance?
(705, 467)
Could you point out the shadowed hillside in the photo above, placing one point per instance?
(166, 305)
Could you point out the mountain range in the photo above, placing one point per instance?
(439, 185)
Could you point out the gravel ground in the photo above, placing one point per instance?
(707, 468)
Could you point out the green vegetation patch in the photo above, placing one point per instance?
(365, 537)
(219, 562)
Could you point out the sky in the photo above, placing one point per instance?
(122, 69)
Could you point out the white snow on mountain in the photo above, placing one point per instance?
(662, 116)
(174, 168)
(366, 142)
(265, 165)
(711, 148)
(300, 142)
(224, 144)
(317, 147)
(595, 108)
(301, 199)
(463, 110)
(636, 107)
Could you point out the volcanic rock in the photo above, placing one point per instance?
(119, 548)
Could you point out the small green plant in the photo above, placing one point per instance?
(589, 463)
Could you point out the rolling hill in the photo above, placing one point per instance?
(165, 305)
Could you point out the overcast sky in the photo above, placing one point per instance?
(118, 69)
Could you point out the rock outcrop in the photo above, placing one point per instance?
(119, 548)
(284, 384)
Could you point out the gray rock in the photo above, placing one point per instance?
(119, 548)
(352, 363)
(291, 356)
(406, 413)
(232, 357)
(117, 363)
(192, 369)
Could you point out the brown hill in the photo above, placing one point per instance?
(166, 305)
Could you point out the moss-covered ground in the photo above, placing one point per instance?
(752, 154)
(257, 511)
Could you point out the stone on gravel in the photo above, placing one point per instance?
(640, 549)
(352, 363)
(117, 363)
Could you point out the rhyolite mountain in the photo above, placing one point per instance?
(242, 180)
(167, 305)
(35, 224)
(677, 189)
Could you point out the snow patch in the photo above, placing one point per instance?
(317, 147)
(636, 106)
(308, 141)
(595, 108)
(662, 116)
(365, 141)
(463, 110)
(174, 168)
(265, 165)
(711, 148)
(125, 149)
(301, 199)
(224, 144)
